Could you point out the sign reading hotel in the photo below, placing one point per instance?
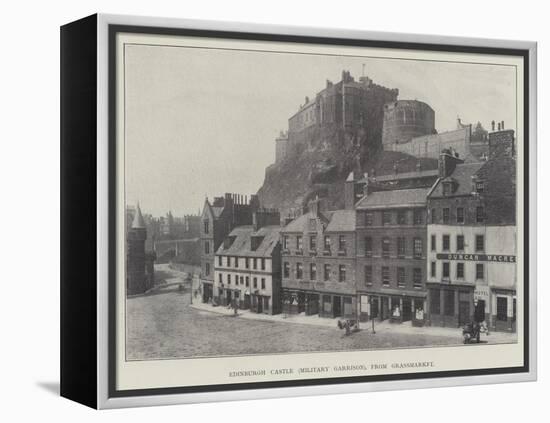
(478, 257)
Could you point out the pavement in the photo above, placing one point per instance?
(379, 326)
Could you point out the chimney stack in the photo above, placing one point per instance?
(447, 163)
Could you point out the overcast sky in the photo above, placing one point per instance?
(203, 122)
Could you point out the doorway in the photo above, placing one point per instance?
(407, 309)
(336, 306)
(479, 312)
(463, 312)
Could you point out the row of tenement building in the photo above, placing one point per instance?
(432, 247)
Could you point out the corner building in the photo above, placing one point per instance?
(248, 266)
(472, 240)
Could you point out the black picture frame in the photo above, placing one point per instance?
(79, 202)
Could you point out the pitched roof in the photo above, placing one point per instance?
(462, 178)
(394, 198)
(342, 221)
(241, 246)
(302, 222)
(138, 221)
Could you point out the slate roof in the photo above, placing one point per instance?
(301, 223)
(138, 221)
(394, 198)
(342, 221)
(462, 178)
(241, 245)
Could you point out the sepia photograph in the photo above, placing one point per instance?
(285, 202)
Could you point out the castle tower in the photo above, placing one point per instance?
(406, 119)
(135, 255)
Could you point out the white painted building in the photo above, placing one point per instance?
(247, 270)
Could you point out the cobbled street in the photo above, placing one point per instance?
(162, 324)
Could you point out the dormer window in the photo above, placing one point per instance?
(255, 242)
(447, 188)
(480, 187)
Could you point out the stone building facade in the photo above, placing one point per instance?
(318, 263)
(356, 107)
(405, 120)
(391, 254)
(472, 240)
(218, 219)
(140, 273)
(248, 266)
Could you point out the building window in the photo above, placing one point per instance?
(480, 271)
(299, 271)
(241, 280)
(417, 277)
(255, 263)
(220, 261)
(386, 248)
(480, 186)
(327, 242)
(401, 217)
(460, 270)
(255, 283)
(480, 214)
(401, 277)
(447, 188)
(326, 272)
(446, 215)
(229, 279)
(435, 301)
(246, 262)
(299, 242)
(368, 275)
(446, 270)
(285, 242)
(433, 216)
(400, 247)
(446, 242)
(228, 261)
(206, 247)
(342, 243)
(386, 218)
(368, 246)
(385, 276)
(480, 243)
(417, 217)
(432, 269)
(236, 261)
(313, 271)
(459, 215)
(262, 260)
(206, 226)
(502, 309)
(449, 303)
(342, 273)
(247, 281)
(460, 243)
(418, 248)
(286, 269)
(312, 242)
(263, 283)
(433, 242)
(369, 219)
(220, 278)
(207, 269)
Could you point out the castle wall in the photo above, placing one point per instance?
(430, 146)
(406, 119)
